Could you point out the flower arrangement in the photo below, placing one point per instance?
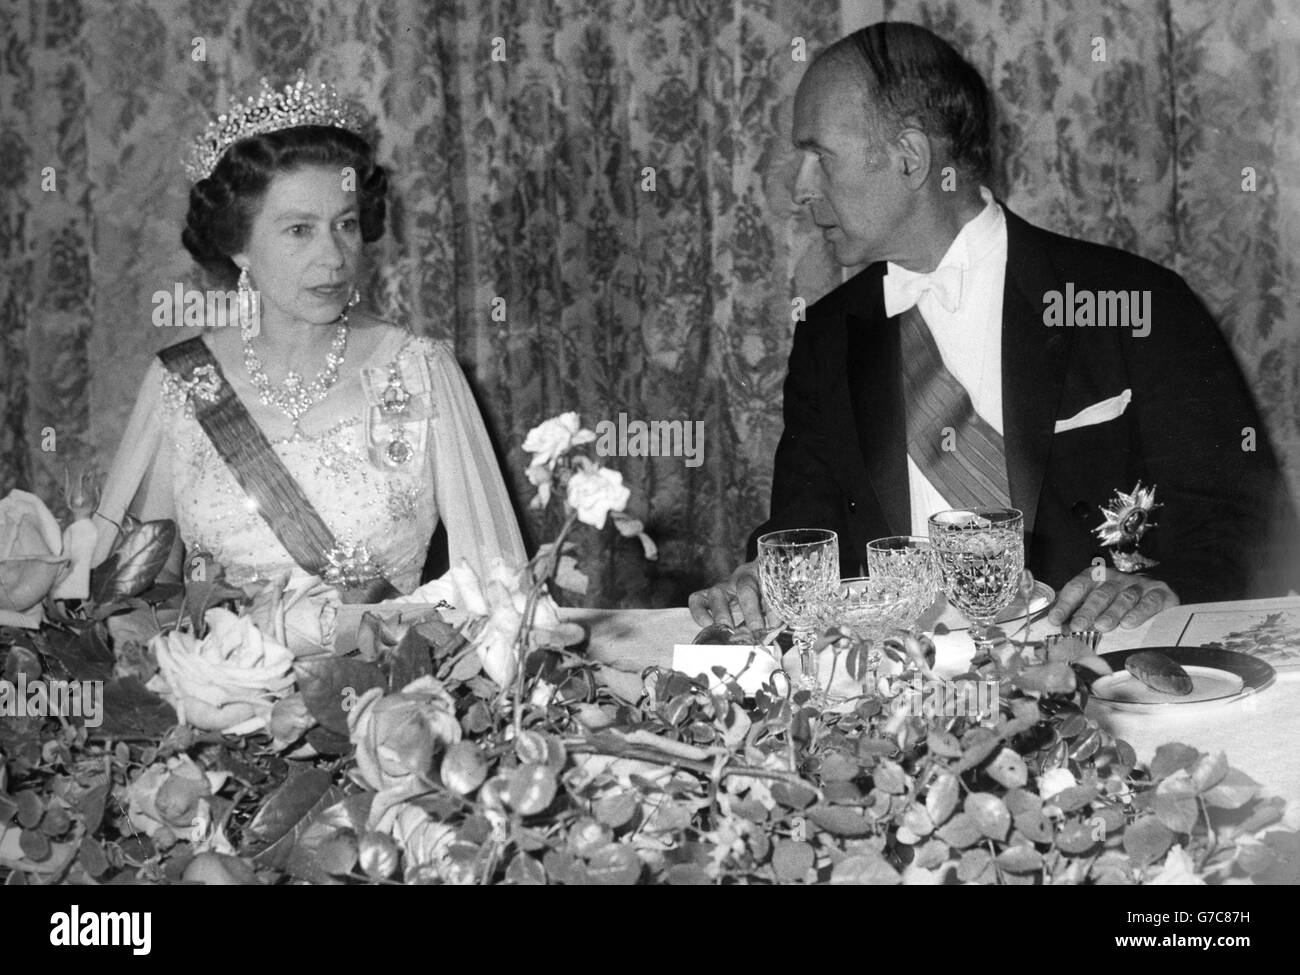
(467, 738)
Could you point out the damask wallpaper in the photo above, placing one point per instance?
(526, 179)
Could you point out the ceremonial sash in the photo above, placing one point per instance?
(261, 473)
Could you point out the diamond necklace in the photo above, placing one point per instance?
(293, 398)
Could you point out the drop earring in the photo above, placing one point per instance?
(248, 301)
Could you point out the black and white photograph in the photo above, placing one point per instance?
(640, 442)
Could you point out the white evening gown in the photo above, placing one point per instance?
(167, 468)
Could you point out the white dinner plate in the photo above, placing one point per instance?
(1218, 677)
(1208, 684)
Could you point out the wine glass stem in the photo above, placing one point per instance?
(803, 643)
(979, 631)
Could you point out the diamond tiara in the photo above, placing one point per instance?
(270, 111)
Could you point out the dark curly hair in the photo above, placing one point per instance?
(224, 205)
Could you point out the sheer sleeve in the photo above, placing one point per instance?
(140, 478)
(470, 492)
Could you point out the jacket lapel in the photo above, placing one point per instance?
(879, 432)
(1034, 357)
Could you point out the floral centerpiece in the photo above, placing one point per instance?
(466, 737)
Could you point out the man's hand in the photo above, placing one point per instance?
(1116, 599)
(732, 602)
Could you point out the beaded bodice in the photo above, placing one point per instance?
(369, 476)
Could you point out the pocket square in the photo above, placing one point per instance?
(1107, 409)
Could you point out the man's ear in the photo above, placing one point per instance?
(915, 156)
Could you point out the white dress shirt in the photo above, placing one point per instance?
(970, 338)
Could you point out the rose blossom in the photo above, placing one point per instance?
(424, 841)
(300, 617)
(175, 796)
(539, 476)
(226, 682)
(458, 587)
(552, 439)
(31, 551)
(498, 607)
(397, 735)
(1055, 780)
(1179, 870)
(378, 854)
(496, 643)
(596, 491)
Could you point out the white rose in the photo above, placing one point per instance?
(459, 587)
(398, 735)
(31, 551)
(552, 439)
(467, 590)
(301, 616)
(227, 682)
(424, 841)
(499, 605)
(596, 491)
(175, 796)
(495, 643)
(1054, 781)
(1179, 870)
(539, 476)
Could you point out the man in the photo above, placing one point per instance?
(951, 372)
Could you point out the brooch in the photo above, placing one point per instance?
(399, 449)
(202, 384)
(1129, 517)
(399, 411)
(393, 403)
(395, 397)
(351, 566)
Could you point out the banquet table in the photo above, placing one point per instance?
(1260, 734)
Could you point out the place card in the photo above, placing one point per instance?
(749, 667)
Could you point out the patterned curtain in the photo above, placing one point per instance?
(612, 177)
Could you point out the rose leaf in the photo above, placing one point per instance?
(330, 685)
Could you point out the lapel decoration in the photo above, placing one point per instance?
(1129, 517)
(400, 404)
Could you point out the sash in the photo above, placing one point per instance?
(279, 499)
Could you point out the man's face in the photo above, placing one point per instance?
(850, 180)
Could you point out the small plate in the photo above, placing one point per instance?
(1039, 599)
(1218, 677)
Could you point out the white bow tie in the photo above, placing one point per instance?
(903, 288)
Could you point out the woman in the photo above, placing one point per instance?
(314, 437)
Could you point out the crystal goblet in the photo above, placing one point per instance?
(980, 554)
(798, 569)
(903, 565)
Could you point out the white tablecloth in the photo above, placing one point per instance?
(1260, 734)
